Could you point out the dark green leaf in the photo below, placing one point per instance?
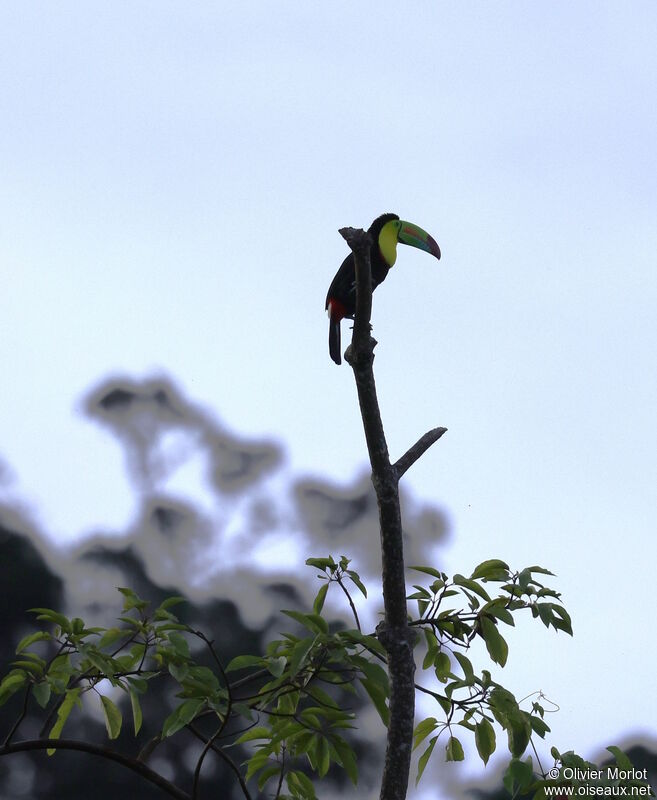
(497, 647)
(26, 641)
(313, 622)
(49, 615)
(492, 570)
(323, 756)
(268, 773)
(355, 577)
(277, 666)
(172, 601)
(260, 732)
(518, 776)
(113, 718)
(136, 710)
(131, 599)
(424, 758)
(443, 666)
(430, 571)
(454, 750)
(485, 739)
(466, 666)
(318, 605)
(70, 700)
(468, 583)
(12, 683)
(179, 643)
(182, 716)
(378, 696)
(621, 758)
(321, 563)
(539, 726)
(423, 729)
(41, 692)
(241, 662)
(346, 757)
(299, 653)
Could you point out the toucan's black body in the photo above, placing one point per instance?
(341, 296)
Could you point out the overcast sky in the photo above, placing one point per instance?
(172, 180)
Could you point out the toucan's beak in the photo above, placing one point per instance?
(416, 237)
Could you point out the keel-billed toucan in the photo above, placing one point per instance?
(385, 232)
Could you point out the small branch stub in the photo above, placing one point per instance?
(417, 451)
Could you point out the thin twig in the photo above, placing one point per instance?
(16, 724)
(224, 756)
(351, 602)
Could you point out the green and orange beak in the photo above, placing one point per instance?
(415, 237)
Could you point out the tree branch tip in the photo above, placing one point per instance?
(356, 238)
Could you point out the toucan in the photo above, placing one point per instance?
(384, 232)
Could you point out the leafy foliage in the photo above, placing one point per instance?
(285, 706)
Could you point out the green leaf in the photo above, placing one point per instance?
(378, 696)
(443, 666)
(12, 683)
(300, 785)
(454, 750)
(49, 615)
(113, 718)
(172, 601)
(71, 698)
(35, 666)
(430, 571)
(539, 570)
(299, 654)
(179, 643)
(565, 623)
(496, 608)
(268, 773)
(26, 641)
(41, 692)
(132, 600)
(259, 732)
(423, 729)
(321, 563)
(496, 645)
(519, 732)
(178, 671)
(424, 758)
(318, 605)
(346, 757)
(539, 726)
(182, 716)
(136, 710)
(468, 583)
(485, 739)
(112, 635)
(355, 577)
(466, 666)
(491, 570)
(313, 622)
(277, 666)
(621, 758)
(518, 776)
(241, 662)
(323, 756)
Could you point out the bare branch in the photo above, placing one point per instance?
(394, 633)
(104, 752)
(417, 451)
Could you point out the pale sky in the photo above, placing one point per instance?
(173, 177)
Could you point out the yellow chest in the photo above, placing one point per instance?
(388, 242)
